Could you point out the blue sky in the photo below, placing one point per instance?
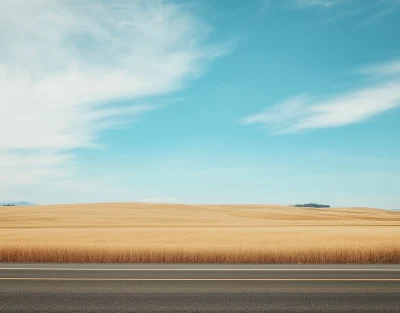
(277, 102)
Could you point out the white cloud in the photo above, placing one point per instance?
(365, 12)
(283, 113)
(306, 113)
(392, 68)
(159, 200)
(321, 3)
(33, 167)
(66, 64)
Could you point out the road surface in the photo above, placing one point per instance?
(198, 288)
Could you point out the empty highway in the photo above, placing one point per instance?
(198, 288)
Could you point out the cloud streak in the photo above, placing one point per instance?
(72, 69)
(317, 3)
(307, 113)
(367, 13)
(159, 200)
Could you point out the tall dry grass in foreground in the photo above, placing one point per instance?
(151, 233)
(111, 254)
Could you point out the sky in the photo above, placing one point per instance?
(228, 101)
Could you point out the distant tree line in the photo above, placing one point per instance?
(312, 205)
(9, 205)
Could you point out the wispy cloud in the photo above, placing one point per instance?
(320, 3)
(159, 200)
(33, 167)
(391, 68)
(380, 14)
(365, 13)
(358, 105)
(67, 65)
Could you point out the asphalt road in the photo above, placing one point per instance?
(199, 288)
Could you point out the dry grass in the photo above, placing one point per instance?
(158, 233)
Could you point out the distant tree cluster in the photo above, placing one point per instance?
(312, 205)
(9, 205)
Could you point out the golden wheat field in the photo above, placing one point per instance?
(171, 233)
